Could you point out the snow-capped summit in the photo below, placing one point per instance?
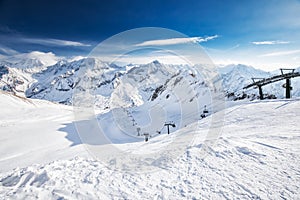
(235, 77)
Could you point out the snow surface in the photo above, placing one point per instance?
(43, 156)
(257, 156)
(34, 131)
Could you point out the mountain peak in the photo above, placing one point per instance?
(156, 62)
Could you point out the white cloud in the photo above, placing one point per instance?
(271, 42)
(7, 51)
(76, 58)
(281, 53)
(47, 59)
(173, 41)
(55, 42)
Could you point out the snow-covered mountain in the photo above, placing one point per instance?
(17, 80)
(235, 77)
(16, 72)
(56, 82)
(32, 78)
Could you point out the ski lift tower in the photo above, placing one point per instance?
(168, 124)
(287, 84)
(259, 82)
(205, 112)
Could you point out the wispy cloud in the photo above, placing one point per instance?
(7, 51)
(54, 42)
(271, 42)
(174, 41)
(281, 53)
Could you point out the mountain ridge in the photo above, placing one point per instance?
(33, 79)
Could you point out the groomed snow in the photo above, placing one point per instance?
(256, 157)
(34, 131)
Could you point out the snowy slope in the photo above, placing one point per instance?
(249, 161)
(34, 131)
(42, 156)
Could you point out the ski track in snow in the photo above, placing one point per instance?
(256, 157)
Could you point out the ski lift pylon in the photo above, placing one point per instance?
(205, 110)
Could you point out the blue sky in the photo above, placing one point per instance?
(262, 33)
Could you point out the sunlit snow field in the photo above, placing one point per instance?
(256, 156)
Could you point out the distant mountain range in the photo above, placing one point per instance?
(36, 78)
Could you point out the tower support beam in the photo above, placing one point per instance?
(288, 88)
